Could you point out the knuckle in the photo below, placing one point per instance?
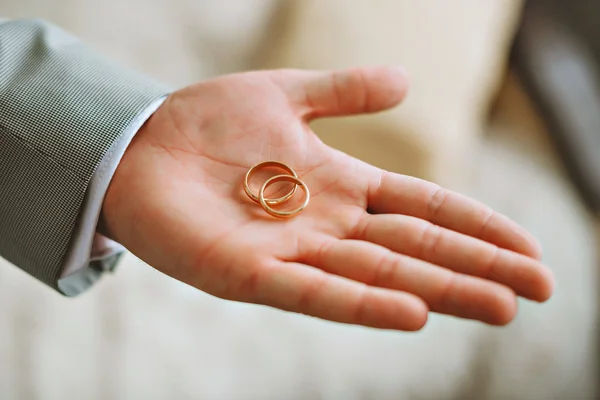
(436, 201)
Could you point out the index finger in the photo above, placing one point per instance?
(400, 194)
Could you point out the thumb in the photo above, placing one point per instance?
(317, 94)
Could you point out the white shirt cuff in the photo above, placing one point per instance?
(87, 245)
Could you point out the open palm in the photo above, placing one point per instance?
(372, 247)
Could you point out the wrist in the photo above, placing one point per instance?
(115, 194)
(124, 175)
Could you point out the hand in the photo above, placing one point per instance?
(372, 247)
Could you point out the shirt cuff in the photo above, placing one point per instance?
(88, 248)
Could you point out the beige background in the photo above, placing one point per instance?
(140, 335)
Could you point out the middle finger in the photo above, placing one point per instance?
(421, 239)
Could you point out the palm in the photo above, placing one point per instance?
(186, 213)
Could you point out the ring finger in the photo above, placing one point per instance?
(443, 290)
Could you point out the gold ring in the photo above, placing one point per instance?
(279, 178)
(265, 164)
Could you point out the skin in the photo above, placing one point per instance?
(372, 248)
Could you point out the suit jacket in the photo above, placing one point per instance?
(62, 108)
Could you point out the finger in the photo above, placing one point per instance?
(443, 290)
(398, 194)
(421, 239)
(353, 91)
(304, 289)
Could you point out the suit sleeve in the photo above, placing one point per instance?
(63, 109)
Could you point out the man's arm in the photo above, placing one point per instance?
(373, 247)
(66, 117)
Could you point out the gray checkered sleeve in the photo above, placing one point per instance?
(61, 108)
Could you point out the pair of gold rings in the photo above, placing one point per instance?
(266, 203)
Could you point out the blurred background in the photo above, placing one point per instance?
(503, 106)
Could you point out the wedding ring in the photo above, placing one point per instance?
(280, 178)
(266, 164)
